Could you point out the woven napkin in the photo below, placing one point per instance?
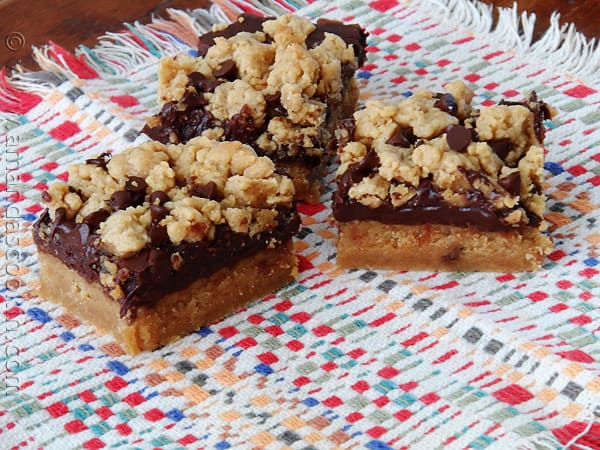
(337, 359)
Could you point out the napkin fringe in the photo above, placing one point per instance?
(569, 50)
(141, 45)
(117, 54)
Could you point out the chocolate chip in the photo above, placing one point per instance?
(447, 103)
(46, 196)
(274, 107)
(158, 197)
(135, 184)
(202, 83)
(402, 137)
(459, 138)
(226, 70)
(203, 49)
(158, 235)
(120, 200)
(241, 126)
(94, 219)
(511, 182)
(501, 147)
(453, 254)
(193, 100)
(208, 190)
(158, 212)
(100, 160)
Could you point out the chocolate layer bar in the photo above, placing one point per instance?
(279, 85)
(431, 183)
(161, 239)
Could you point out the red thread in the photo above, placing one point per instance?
(14, 100)
(77, 65)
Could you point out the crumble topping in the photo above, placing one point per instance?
(268, 82)
(154, 192)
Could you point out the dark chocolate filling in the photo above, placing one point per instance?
(149, 274)
(428, 206)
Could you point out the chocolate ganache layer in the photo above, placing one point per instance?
(160, 267)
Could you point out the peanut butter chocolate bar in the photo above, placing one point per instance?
(279, 85)
(430, 183)
(156, 241)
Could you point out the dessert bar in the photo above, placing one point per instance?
(156, 241)
(430, 183)
(279, 85)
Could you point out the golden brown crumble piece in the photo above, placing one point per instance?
(279, 85)
(445, 186)
(161, 239)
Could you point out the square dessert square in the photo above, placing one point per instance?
(429, 183)
(158, 240)
(279, 85)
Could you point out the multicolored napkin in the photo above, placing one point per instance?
(338, 359)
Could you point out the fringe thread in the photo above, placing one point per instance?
(570, 51)
(142, 45)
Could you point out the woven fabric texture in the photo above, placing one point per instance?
(338, 359)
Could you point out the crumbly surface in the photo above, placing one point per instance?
(244, 193)
(279, 89)
(494, 153)
(273, 62)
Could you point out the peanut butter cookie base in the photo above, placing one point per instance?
(177, 314)
(374, 245)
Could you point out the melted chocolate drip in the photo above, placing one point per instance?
(349, 125)
(148, 275)
(428, 206)
(358, 171)
(94, 219)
